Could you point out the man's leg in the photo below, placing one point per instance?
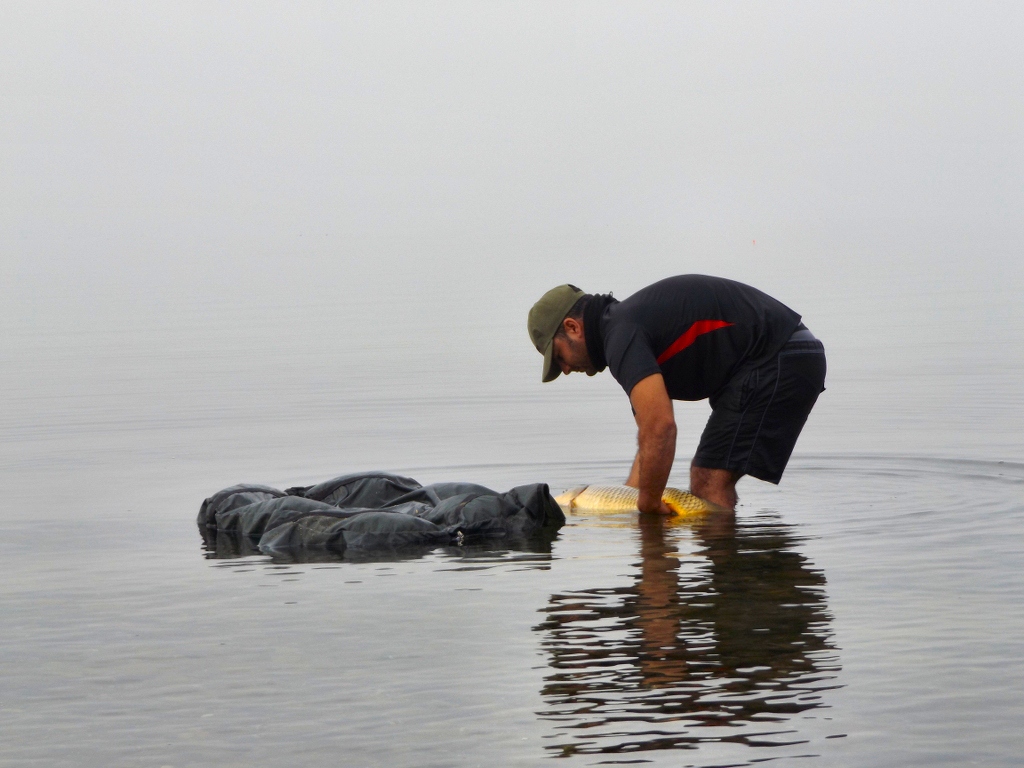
(633, 481)
(715, 485)
(756, 421)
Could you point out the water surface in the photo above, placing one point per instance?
(859, 615)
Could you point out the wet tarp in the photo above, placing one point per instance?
(373, 512)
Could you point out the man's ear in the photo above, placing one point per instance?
(573, 327)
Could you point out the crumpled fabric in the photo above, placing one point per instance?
(372, 512)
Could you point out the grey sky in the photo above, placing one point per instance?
(160, 149)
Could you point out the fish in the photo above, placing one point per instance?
(609, 499)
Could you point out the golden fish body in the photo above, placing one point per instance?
(609, 499)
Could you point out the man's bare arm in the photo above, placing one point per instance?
(656, 435)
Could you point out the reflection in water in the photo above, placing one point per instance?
(221, 545)
(723, 642)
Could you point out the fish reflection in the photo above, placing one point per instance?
(723, 642)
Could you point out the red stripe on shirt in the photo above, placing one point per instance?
(697, 329)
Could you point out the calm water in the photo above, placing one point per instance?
(866, 612)
(278, 242)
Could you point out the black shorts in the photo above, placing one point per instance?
(757, 417)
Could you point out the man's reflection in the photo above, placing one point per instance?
(710, 643)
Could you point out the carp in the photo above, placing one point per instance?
(609, 499)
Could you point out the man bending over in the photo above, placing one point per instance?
(687, 338)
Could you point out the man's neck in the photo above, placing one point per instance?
(593, 331)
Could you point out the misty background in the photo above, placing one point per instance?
(276, 241)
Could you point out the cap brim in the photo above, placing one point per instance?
(550, 371)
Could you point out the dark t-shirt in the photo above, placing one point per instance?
(697, 331)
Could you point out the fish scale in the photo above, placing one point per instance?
(598, 499)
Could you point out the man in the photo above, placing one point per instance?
(688, 338)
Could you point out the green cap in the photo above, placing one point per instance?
(546, 318)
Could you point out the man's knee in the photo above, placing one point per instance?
(714, 485)
(707, 477)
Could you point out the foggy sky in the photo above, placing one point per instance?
(159, 153)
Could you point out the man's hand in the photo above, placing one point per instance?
(633, 481)
(661, 509)
(656, 435)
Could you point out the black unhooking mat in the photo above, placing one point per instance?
(372, 512)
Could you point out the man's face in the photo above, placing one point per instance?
(570, 349)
